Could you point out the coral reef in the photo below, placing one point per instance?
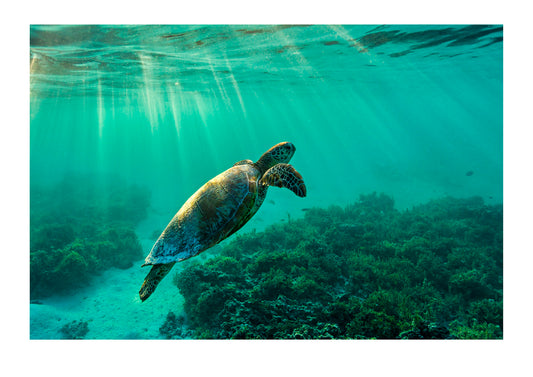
(363, 271)
(78, 229)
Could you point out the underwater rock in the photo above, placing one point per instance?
(426, 330)
(75, 330)
(132, 335)
(351, 228)
(174, 327)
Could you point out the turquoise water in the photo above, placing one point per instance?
(415, 112)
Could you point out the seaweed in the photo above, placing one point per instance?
(78, 229)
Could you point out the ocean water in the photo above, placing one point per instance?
(128, 121)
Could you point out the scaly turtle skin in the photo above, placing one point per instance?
(220, 208)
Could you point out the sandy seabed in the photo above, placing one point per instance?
(110, 305)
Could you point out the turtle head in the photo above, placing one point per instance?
(279, 154)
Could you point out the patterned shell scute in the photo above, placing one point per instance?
(208, 216)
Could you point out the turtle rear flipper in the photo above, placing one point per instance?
(285, 175)
(156, 274)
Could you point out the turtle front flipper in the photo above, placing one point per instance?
(285, 175)
(156, 274)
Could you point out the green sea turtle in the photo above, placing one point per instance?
(220, 208)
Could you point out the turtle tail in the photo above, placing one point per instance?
(156, 274)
